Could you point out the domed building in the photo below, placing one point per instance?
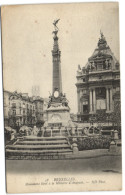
(98, 84)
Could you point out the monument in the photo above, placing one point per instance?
(58, 111)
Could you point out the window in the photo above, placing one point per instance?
(117, 88)
(14, 112)
(100, 93)
(85, 108)
(23, 111)
(19, 104)
(85, 102)
(117, 76)
(13, 105)
(100, 77)
(84, 91)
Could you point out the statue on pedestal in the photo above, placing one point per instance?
(79, 71)
(106, 64)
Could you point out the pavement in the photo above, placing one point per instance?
(92, 154)
(97, 165)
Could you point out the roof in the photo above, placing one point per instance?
(25, 98)
(102, 50)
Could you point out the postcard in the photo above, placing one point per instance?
(62, 104)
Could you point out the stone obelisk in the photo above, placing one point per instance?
(58, 110)
(56, 53)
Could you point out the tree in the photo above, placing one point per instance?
(116, 115)
(101, 118)
(12, 122)
(39, 123)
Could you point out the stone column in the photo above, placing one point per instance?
(107, 99)
(60, 131)
(110, 99)
(78, 100)
(90, 100)
(94, 100)
(116, 135)
(80, 106)
(75, 148)
(51, 132)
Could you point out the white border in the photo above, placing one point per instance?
(122, 62)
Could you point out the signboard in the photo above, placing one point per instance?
(101, 104)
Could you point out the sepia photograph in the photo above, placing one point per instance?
(62, 97)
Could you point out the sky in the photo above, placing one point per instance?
(27, 42)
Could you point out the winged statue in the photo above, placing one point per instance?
(55, 23)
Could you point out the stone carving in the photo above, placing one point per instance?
(93, 65)
(79, 68)
(79, 71)
(55, 23)
(110, 63)
(106, 64)
(56, 118)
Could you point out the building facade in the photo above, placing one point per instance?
(45, 106)
(98, 84)
(20, 109)
(6, 104)
(39, 106)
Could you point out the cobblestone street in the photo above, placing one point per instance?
(102, 164)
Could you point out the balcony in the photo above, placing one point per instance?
(103, 71)
(83, 113)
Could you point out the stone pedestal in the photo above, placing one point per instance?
(74, 139)
(12, 136)
(75, 148)
(73, 131)
(113, 147)
(58, 115)
(116, 135)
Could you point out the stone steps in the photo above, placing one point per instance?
(44, 156)
(41, 142)
(58, 134)
(35, 152)
(36, 147)
(45, 138)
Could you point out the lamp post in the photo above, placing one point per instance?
(51, 130)
(44, 131)
(108, 117)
